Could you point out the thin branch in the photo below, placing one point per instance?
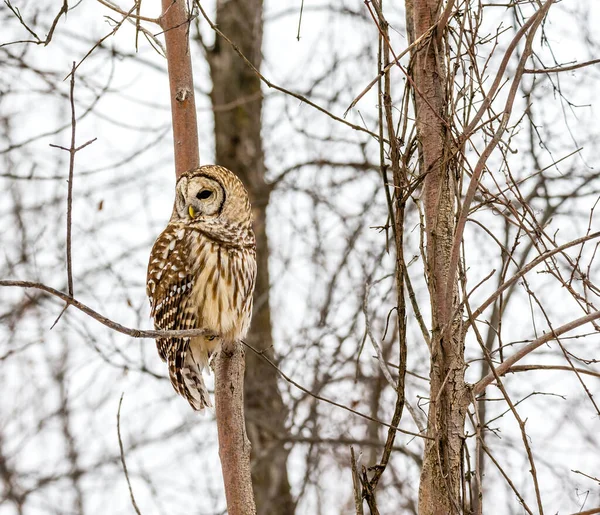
(135, 506)
(527, 368)
(275, 86)
(563, 68)
(587, 475)
(134, 333)
(329, 401)
(505, 366)
(129, 14)
(72, 150)
(593, 511)
(527, 268)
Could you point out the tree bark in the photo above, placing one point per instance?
(239, 148)
(441, 475)
(174, 22)
(234, 447)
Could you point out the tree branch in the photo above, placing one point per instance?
(134, 333)
(234, 446)
(175, 24)
(505, 366)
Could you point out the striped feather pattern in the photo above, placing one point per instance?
(200, 275)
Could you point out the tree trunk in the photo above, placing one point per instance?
(237, 99)
(441, 475)
(173, 21)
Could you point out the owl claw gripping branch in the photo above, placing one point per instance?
(201, 275)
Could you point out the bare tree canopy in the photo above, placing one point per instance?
(423, 179)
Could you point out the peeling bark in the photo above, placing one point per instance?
(440, 485)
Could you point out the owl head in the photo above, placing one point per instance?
(211, 193)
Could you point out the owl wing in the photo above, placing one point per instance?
(169, 288)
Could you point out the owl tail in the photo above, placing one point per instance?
(186, 377)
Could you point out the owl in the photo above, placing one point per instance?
(201, 275)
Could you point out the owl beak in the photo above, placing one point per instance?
(192, 212)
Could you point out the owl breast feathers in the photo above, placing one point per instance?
(201, 274)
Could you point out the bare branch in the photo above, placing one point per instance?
(135, 506)
(567, 68)
(234, 446)
(134, 333)
(505, 366)
(129, 14)
(527, 268)
(175, 24)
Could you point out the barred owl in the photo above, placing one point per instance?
(201, 274)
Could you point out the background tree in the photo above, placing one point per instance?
(237, 104)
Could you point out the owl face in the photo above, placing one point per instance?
(199, 197)
(211, 194)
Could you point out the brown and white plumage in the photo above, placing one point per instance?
(201, 274)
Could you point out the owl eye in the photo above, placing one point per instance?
(204, 194)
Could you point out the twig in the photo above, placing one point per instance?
(372, 339)
(593, 511)
(505, 366)
(329, 401)
(129, 14)
(134, 333)
(300, 19)
(135, 506)
(63, 10)
(72, 151)
(527, 368)
(587, 475)
(275, 86)
(563, 68)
